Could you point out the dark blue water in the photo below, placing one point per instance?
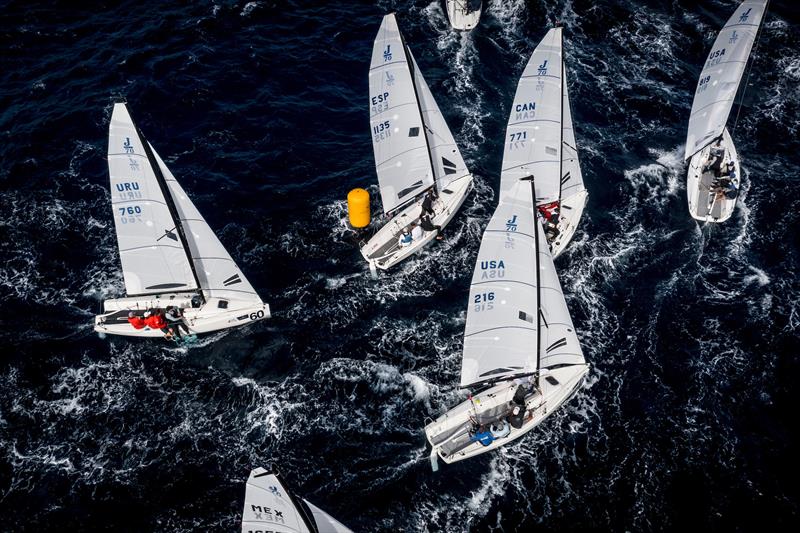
(686, 420)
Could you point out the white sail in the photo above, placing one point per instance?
(501, 329)
(153, 256)
(218, 273)
(402, 160)
(448, 164)
(558, 344)
(269, 506)
(533, 135)
(500, 339)
(571, 175)
(721, 75)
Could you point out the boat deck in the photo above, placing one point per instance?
(706, 200)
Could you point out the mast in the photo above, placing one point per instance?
(162, 183)
(561, 146)
(538, 280)
(419, 108)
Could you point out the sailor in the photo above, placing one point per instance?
(516, 417)
(174, 316)
(482, 435)
(426, 224)
(551, 227)
(405, 239)
(427, 203)
(731, 190)
(416, 232)
(135, 320)
(716, 155)
(154, 319)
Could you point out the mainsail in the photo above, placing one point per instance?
(154, 258)
(517, 323)
(721, 75)
(447, 161)
(218, 273)
(402, 158)
(534, 131)
(270, 506)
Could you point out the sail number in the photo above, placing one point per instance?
(128, 215)
(380, 103)
(516, 138)
(257, 315)
(483, 301)
(381, 131)
(703, 84)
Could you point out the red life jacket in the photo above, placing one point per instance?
(548, 209)
(155, 321)
(137, 322)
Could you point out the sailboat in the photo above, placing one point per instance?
(170, 256)
(269, 505)
(521, 355)
(540, 140)
(414, 150)
(464, 15)
(714, 174)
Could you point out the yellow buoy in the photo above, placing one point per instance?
(358, 208)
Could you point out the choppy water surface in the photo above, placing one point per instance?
(260, 110)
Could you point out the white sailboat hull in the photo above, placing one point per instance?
(704, 204)
(449, 434)
(383, 250)
(571, 213)
(460, 17)
(204, 319)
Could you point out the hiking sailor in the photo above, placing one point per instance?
(154, 319)
(426, 224)
(135, 320)
(174, 316)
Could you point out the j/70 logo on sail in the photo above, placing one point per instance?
(745, 15)
(511, 224)
(127, 146)
(387, 54)
(543, 68)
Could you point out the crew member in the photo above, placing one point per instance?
(135, 320)
(426, 224)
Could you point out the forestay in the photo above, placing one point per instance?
(571, 175)
(217, 272)
(402, 160)
(153, 257)
(448, 164)
(721, 75)
(533, 134)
